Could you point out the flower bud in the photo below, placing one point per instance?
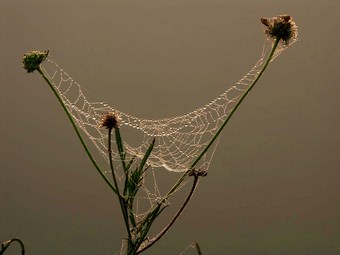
(33, 59)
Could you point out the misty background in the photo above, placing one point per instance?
(273, 185)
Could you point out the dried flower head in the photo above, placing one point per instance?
(110, 120)
(282, 27)
(33, 59)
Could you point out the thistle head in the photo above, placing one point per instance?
(110, 120)
(282, 27)
(33, 59)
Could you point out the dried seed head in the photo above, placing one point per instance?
(282, 27)
(33, 59)
(110, 120)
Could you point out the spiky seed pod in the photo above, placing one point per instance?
(282, 27)
(33, 59)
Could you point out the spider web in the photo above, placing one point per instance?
(179, 139)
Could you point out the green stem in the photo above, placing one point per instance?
(122, 203)
(180, 180)
(49, 82)
(110, 160)
(238, 103)
(121, 152)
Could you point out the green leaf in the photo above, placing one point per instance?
(130, 162)
(147, 154)
(120, 147)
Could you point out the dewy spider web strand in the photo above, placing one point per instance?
(179, 139)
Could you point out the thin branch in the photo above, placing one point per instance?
(6, 244)
(238, 103)
(186, 173)
(162, 233)
(198, 248)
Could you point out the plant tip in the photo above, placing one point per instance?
(282, 27)
(33, 59)
(110, 120)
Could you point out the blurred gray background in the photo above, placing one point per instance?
(273, 186)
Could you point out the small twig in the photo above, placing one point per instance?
(6, 244)
(233, 110)
(196, 174)
(194, 163)
(198, 248)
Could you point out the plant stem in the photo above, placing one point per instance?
(122, 203)
(49, 82)
(238, 103)
(227, 119)
(5, 245)
(109, 149)
(162, 233)
(180, 180)
(198, 248)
